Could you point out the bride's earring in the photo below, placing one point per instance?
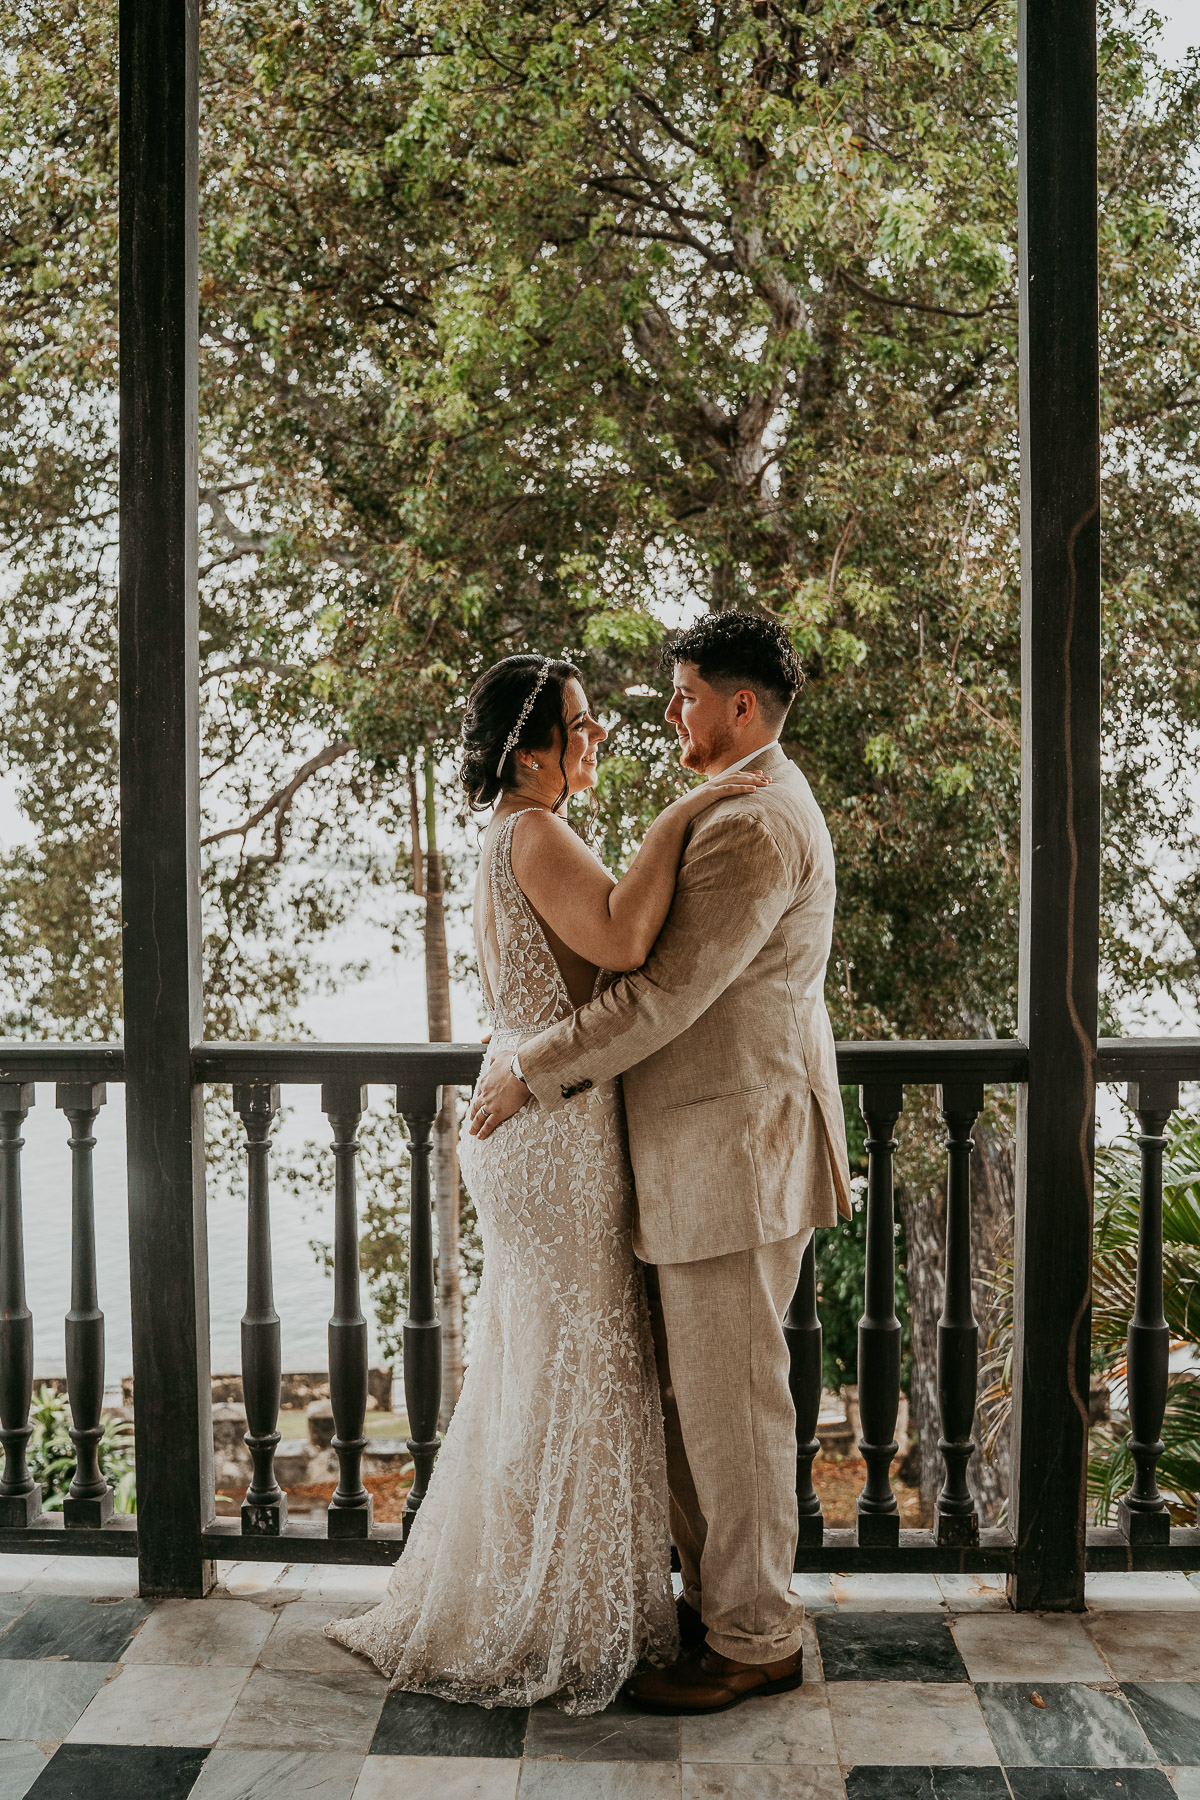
(535, 765)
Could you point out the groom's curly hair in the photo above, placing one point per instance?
(741, 649)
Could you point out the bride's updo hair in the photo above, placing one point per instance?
(494, 705)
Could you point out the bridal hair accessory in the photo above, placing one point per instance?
(524, 713)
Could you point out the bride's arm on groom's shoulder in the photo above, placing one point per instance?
(733, 888)
(611, 923)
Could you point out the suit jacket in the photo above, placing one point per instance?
(736, 1129)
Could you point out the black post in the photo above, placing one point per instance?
(264, 1509)
(955, 1518)
(90, 1499)
(20, 1496)
(802, 1329)
(1142, 1512)
(422, 1332)
(879, 1328)
(351, 1509)
(1060, 777)
(160, 890)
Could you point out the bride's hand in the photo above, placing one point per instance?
(721, 787)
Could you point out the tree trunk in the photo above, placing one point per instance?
(445, 1130)
(993, 1190)
(924, 1216)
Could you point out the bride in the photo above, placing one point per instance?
(538, 1564)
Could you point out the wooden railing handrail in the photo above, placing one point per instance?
(914, 1062)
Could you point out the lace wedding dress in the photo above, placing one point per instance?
(538, 1563)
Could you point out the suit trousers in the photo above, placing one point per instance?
(731, 1441)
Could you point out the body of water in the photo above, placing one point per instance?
(387, 1008)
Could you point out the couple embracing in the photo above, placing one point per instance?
(629, 1374)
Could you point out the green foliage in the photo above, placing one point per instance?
(520, 327)
(52, 1454)
(1115, 1275)
(531, 327)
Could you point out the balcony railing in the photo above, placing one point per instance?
(1143, 1539)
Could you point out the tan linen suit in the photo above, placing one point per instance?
(737, 1139)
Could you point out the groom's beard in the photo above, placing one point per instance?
(699, 754)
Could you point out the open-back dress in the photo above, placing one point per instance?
(538, 1563)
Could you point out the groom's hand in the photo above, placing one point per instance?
(498, 1096)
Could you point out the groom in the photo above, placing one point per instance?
(738, 1145)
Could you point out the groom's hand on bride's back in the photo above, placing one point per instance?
(498, 1095)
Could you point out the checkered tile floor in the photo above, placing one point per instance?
(915, 1686)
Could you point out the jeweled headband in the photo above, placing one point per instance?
(524, 713)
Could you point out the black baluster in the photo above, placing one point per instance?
(879, 1328)
(89, 1500)
(350, 1510)
(1142, 1512)
(802, 1329)
(264, 1509)
(422, 1332)
(956, 1521)
(20, 1496)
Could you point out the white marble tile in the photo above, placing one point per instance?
(974, 1593)
(348, 1583)
(21, 1763)
(115, 1575)
(1186, 1783)
(16, 1571)
(242, 1579)
(782, 1728)
(815, 1591)
(293, 1577)
(1027, 1647)
(42, 1700)
(922, 1722)
(760, 1781)
(597, 1781)
(298, 1640)
(1141, 1592)
(160, 1706)
(887, 1593)
(438, 1778)
(216, 1630)
(276, 1775)
(1146, 1646)
(291, 1709)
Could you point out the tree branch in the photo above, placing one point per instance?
(902, 300)
(247, 663)
(280, 802)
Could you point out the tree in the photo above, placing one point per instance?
(519, 322)
(446, 1178)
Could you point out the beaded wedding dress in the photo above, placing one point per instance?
(538, 1563)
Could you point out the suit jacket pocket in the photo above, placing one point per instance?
(718, 1099)
(705, 1179)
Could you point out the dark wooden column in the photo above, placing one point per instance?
(159, 804)
(1060, 770)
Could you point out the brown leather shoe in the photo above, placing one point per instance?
(692, 1635)
(709, 1683)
